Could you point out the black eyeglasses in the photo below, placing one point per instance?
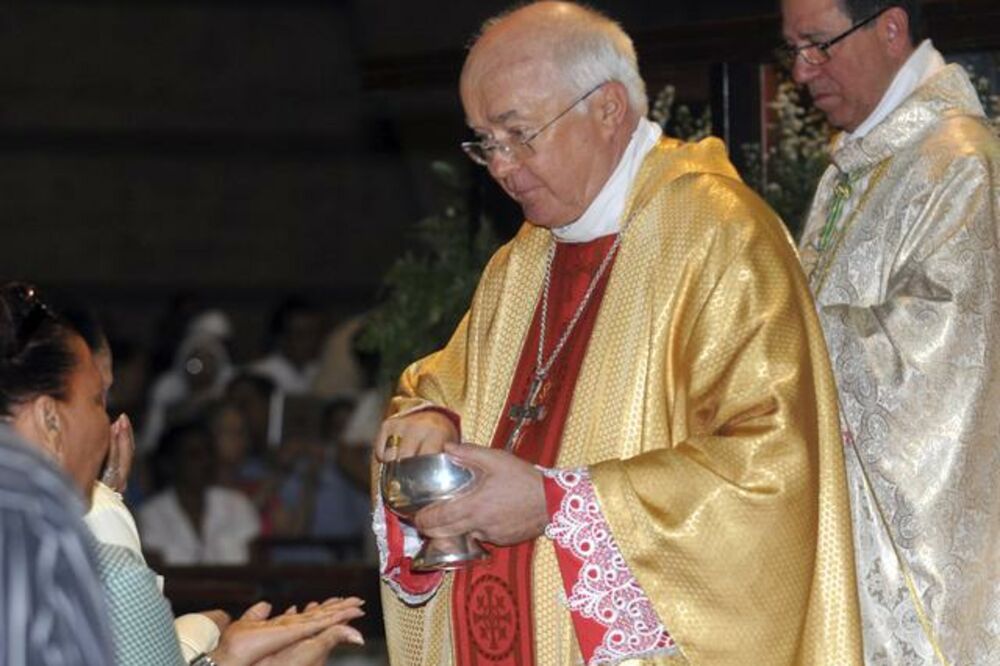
(517, 147)
(819, 54)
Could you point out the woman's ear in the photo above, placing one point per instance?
(39, 423)
(48, 423)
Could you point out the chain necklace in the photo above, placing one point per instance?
(529, 410)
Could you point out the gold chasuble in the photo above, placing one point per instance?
(705, 412)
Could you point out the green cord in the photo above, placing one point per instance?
(841, 193)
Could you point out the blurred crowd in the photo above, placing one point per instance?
(260, 460)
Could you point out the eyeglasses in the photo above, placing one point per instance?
(819, 54)
(518, 148)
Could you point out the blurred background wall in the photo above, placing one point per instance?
(236, 149)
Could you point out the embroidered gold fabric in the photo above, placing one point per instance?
(910, 304)
(706, 412)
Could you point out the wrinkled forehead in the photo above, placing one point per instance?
(499, 87)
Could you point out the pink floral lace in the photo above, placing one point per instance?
(605, 590)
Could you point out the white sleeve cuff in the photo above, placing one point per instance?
(197, 634)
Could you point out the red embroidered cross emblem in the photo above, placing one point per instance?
(494, 628)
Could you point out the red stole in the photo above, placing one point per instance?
(492, 621)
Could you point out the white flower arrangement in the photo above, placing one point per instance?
(989, 99)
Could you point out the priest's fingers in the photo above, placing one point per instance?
(446, 519)
(507, 505)
(413, 434)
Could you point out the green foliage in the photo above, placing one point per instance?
(427, 290)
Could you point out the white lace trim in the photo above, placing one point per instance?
(605, 590)
(391, 577)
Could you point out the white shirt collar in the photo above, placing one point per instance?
(603, 216)
(923, 63)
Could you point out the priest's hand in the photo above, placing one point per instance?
(507, 506)
(421, 432)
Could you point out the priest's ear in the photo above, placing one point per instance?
(612, 104)
(895, 27)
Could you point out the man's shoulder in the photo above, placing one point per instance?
(699, 189)
(697, 177)
(672, 159)
(960, 135)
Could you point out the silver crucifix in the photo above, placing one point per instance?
(527, 412)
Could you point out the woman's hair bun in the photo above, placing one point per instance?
(35, 356)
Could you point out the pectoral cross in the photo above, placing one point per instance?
(527, 412)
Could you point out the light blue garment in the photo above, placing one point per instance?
(142, 624)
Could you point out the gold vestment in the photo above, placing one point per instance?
(706, 412)
(908, 294)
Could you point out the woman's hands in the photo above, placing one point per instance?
(292, 639)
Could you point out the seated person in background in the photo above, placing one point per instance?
(339, 374)
(193, 520)
(202, 368)
(295, 337)
(255, 396)
(316, 498)
(53, 395)
(238, 467)
(370, 407)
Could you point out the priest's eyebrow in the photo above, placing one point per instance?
(811, 37)
(501, 119)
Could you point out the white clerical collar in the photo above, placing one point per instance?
(603, 216)
(923, 63)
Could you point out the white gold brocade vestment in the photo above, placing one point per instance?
(907, 285)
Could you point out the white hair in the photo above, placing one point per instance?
(589, 49)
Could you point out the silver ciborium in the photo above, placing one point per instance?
(410, 484)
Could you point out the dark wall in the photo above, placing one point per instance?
(227, 145)
(210, 146)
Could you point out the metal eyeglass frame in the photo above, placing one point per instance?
(481, 152)
(819, 54)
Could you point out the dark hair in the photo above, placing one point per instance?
(166, 458)
(263, 386)
(859, 10)
(85, 321)
(290, 307)
(35, 353)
